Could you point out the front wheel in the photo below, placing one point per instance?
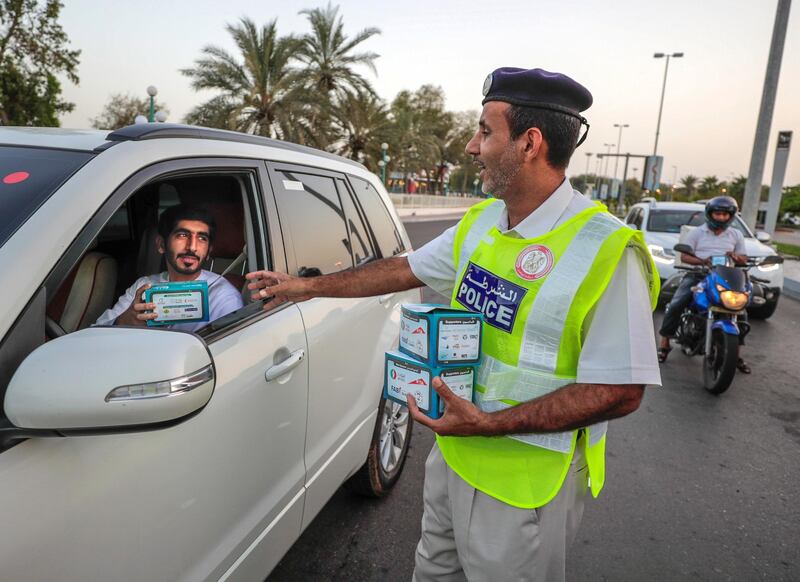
(719, 365)
(387, 452)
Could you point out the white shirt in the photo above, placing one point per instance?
(223, 298)
(708, 244)
(619, 347)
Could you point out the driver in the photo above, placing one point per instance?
(185, 237)
(714, 238)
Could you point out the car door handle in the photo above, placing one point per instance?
(384, 298)
(285, 366)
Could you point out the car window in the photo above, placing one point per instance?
(389, 241)
(663, 220)
(360, 243)
(309, 207)
(28, 177)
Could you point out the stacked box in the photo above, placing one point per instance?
(435, 340)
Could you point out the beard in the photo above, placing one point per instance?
(176, 263)
(502, 174)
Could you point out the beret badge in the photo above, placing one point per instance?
(487, 84)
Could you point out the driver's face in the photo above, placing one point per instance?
(720, 216)
(187, 247)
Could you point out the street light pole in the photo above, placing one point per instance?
(384, 160)
(621, 126)
(588, 155)
(663, 89)
(152, 91)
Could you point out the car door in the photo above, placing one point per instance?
(346, 337)
(217, 496)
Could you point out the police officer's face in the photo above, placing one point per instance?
(187, 247)
(497, 156)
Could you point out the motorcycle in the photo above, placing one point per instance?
(711, 324)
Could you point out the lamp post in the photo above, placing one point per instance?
(384, 160)
(588, 155)
(621, 126)
(152, 91)
(663, 88)
(608, 147)
(674, 177)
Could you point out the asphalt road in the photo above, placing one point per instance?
(698, 488)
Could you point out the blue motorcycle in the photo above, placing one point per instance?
(712, 323)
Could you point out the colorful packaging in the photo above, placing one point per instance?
(405, 375)
(178, 302)
(440, 335)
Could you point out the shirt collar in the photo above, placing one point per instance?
(543, 219)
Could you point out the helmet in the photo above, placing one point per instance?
(721, 204)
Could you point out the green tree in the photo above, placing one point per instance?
(329, 57)
(709, 187)
(121, 110)
(689, 183)
(361, 123)
(33, 51)
(790, 201)
(259, 91)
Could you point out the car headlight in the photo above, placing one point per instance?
(661, 254)
(767, 268)
(733, 300)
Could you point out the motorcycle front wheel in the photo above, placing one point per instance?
(719, 365)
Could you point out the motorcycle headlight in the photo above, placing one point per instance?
(733, 300)
(661, 254)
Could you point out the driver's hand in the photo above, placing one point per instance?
(139, 312)
(707, 261)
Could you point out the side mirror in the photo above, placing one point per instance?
(682, 248)
(111, 379)
(763, 236)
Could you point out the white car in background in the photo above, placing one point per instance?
(661, 224)
(150, 454)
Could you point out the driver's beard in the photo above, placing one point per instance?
(173, 261)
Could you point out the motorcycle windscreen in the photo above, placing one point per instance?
(731, 277)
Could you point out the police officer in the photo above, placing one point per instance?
(567, 292)
(713, 238)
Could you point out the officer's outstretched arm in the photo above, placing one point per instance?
(375, 278)
(568, 408)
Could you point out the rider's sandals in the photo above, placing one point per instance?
(742, 366)
(663, 353)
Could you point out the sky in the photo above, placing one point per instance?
(712, 94)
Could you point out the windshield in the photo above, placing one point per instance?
(662, 220)
(28, 177)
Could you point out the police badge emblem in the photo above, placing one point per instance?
(534, 262)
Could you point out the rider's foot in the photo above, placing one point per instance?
(742, 366)
(663, 352)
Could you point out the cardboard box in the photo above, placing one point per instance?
(440, 335)
(406, 375)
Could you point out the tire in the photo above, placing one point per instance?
(719, 365)
(763, 311)
(387, 452)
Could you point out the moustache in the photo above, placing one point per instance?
(188, 256)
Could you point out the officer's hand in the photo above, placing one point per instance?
(139, 312)
(460, 418)
(278, 288)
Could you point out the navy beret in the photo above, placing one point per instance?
(537, 88)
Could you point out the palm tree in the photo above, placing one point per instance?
(260, 92)
(360, 122)
(689, 183)
(328, 54)
(709, 186)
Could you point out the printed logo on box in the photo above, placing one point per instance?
(497, 298)
(414, 334)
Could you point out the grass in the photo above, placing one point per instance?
(787, 249)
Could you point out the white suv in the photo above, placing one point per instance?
(154, 454)
(661, 224)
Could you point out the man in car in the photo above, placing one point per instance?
(572, 347)
(185, 238)
(714, 238)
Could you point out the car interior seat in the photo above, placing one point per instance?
(86, 293)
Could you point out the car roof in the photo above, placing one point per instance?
(99, 140)
(54, 137)
(673, 205)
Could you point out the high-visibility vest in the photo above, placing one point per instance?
(535, 295)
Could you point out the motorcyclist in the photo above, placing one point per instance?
(713, 238)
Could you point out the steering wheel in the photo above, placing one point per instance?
(52, 328)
